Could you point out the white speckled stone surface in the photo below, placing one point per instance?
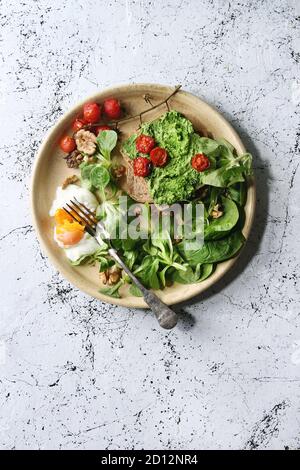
(76, 373)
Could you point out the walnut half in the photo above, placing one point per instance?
(74, 159)
(111, 276)
(70, 180)
(118, 171)
(216, 212)
(86, 142)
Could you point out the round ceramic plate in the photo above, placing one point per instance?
(50, 170)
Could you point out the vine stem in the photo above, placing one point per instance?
(129, 118)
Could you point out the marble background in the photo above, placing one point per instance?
(76, 373)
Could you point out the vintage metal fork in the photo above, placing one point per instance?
(166, 317)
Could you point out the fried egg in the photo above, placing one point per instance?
(86, 246)
(68, 233)
(64, 196)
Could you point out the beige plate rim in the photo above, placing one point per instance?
(193, 289)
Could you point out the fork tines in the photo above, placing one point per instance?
(80, 213)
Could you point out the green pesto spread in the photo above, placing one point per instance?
(177, 181)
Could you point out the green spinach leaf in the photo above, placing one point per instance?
(206, 271)
(217, 228)
(238, 193)
(213, 251)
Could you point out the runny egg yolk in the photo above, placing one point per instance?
(68, 231)
(61, 216)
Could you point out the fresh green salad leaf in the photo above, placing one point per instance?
(217, 228)
(232, 171)
(112, 291)
(213, 198)
(213, 251)
(85, 170)
(226, 152)
(147, 272)
(130, 257)
(107, 140)
(99, 176)
(238, 193)
(209, 147)
(165, 252)
(190, 276)
(104, 263)
(84, 259)
(164, 275)
(206, 271)
(96, 176)
(224, 176)
(134, 290)
(90, 259)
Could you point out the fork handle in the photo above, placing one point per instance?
(166, 317)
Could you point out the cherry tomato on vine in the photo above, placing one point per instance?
(159, 156)
(144, 143)
(78, 124)
(67, 144)
(91, 112)
(200, 162)
(112, 108)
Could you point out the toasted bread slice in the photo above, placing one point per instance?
(136, 186)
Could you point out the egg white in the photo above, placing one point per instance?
(64, 196)
(86, 246)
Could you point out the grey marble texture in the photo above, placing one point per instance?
(77, 373)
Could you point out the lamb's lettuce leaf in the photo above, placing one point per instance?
(134, 290)
(113, 291)
(107, 140)
(91, 258)
(99, 176)
(231, 172)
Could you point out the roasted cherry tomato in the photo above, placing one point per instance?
(102, 128)
(142, 166)
(112, 108)
(159, 156)
(91, 112)
(144, 143)
(200, 162)
(67, 144)
(78, 124)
